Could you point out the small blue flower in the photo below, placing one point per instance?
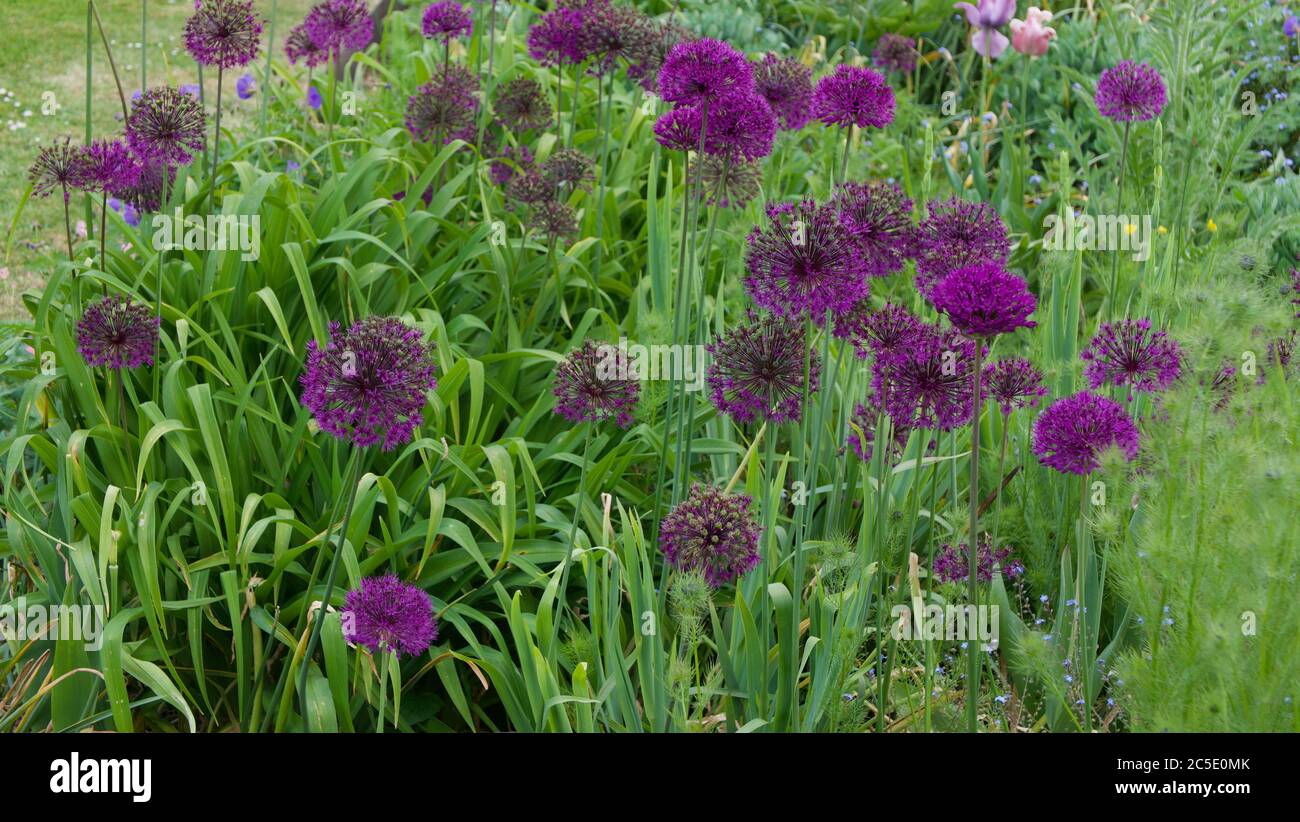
(313, 98)
(246, 86)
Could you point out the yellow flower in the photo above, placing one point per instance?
(1130, 229)
(1211, 226)
(1161, 229)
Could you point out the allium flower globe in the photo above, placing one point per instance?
(596, 383)
(166, 125)
(388, 615)
(299, 46)
(335, 25)
(984, 300)
(556, 39)
(866, 416)
(895, 53)
(1013, 383)
(554, 218)
(957, 233)
(786, 84)
(854, 96)
(647, 55)
(1071, 433)
(804, 262)
(757, 370)
(741, 127)
(1130, 91)
(107, 166)
(521, 104)
(711, 532)
(878, 216)
(223, 33)
(446, 20)
(1128, 352)
(704, 72)
(57, 166)
(930, 380)
(444, 107)
(116, 333)
(570, 168)
(880, 333)
(952, 563)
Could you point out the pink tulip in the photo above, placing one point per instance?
(1031, 36)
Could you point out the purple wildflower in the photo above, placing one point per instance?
(741, 127)
(987, 19)
(1292, 26)
(107, 166)
(150, 186)
(1130, 91)
(594, 384)
(983, 300)
(1072, 432)
(165, 126)
(1129, 353)
(445, 106)
(224, 33)
(704, 72)
(521, 104)
(1280, 355)
(805, 261)
(117, 333)
(611, 33)
(386, 614)
(368, 385)
(530, 187)
(712, 532)
(930, 379)
(894, 52)
(314, 100)
(57, 166)
(246, 86)
(557, 39)
(679, 129)
(446, 20)
(787, 86)
(299, 46)
(335, 25)
(882, 333)
(757, 370)
(1014, 383)
(952, 564)
(878, 218)
(854, 96)
(957, 233)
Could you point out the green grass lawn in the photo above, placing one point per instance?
(50, 59)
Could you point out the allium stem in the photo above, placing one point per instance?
(266, 73)
(1002, 462)
(216, 144)
(571, 543)
(844, 158)
(1114, 257)
(491, 36)
(111, 63)
(144, 40)
(103, 234)
(972, 536)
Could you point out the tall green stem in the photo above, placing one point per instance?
(1114, 257)
(972, 537)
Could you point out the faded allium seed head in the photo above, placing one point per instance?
(116, 333)
(521, 104)
(299, 46)
(1130, 91)
(1128, 352)
(952, 563)
(367, 385)
(704, 72)
(57, 166)
(165, 126)
(878, 216)
(896, 53)
(223, 33)
(786, 85)
(1072, 433)
(446, 20)
(530, 187)
(757, 370)
(595, 383)
(713, 532)
(570, 168)
(554, 218)
(957, 233)
(929, 379)
(335, 25)
(1014, 383)
(742, 183)
(804, 262)
(444, 107)
(984, 300)
(854, 96)
(388, 615)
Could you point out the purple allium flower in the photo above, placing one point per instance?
(165, 126)
(386, 614)
(957, 233)
(679, 129)
(530, 187)
(742, 183)
(740, 127)
(894, 52)
(757, 370)
(570, 168)
(594, 383)
(503, 167)
(224, 33)
(704, 72)
(368, 385)
(984, 300)
(335, 25)
(313, 98)
(1130, 91)
(953, 562)
(881, 333)
(1014, 383)
(854, 96)
(150, 187)
(1128, 352)
(805, 261)
(878, 218)
(712, 532)
(787, 86)
(556, 39)
(445, 106)
(521, 104)
(554, 218)
(426, 197)
(117, 333)
(57, 166)
(646, 57)
(1072, 432)
(1281, 353)
(866, 416)
(987, 19)
(445, 21)
(1223, 383)
(611, 33)
(299, 46)
(929, 379)
(107, 166)
(246, 86)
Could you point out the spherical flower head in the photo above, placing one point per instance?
(646, 56)
(711, 532)
(786, 85)
(1032, 36)
(804, 262)
(117, 333)
(569, 168)
(952, 563)
(704, 72)
(878, 217)
(388, 615)
(299, 46)
(866, 416)
(223, 33)
(1071, 433)
(107, 166)
(1013, 383)
(984, 300)
(246, 86)
(854, 96)
(986, 20)
(166, 125)
(679, 129)
(611, 33)
(521, 104)
(368, 385)
(957, 233)
(741, 127)
(757, 370)
(596, 382)
(554, 218)
(896, 53)
(742, 181)
(444, 107)
(1130, 91)
(556, 39)
(510, 162)
(445, 21)
(879, 333)
(335, 25)
(150, 187)
(929, 379)
(57, 166)
(530, 188)
(1128, 352)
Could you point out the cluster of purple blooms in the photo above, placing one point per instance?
(952, 564)
(386, 615)
(712, 532)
